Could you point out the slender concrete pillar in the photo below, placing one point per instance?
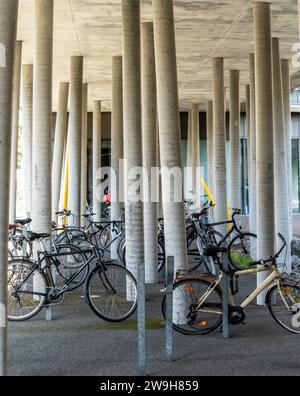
(74, 136)
(252, 151)
(169, 127)
(220, 186)
(187, 177)
(189, 140)
(15, 130)
(264, 130)
(210, 144)
(286, 92)
(84, 154)
(281, 195)
(235, 139)
(196, 154)
(59, 145)
(27, 87)
(8, 25)
(97, 201)
(117, 147)
(132, 132)
(248, 124)
(42, 116)
(149, 130)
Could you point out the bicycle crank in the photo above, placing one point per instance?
(54, 297)
(237, 316)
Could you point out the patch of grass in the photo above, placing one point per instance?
(151, 324)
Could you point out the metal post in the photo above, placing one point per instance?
(48, 310)
(225, 286)
(169, 309)
(141, 321)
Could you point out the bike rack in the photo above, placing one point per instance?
(225, 287)
(169, 309)
(141, 317)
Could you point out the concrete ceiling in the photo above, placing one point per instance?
(204, 29)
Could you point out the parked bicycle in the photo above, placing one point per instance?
(200, 311)
(110, 289)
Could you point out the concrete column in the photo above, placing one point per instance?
(282, 212)
(149, 135)
(42, 116)
(74, 136)
(195, 154)
(252, 151)
(15, 130)
(220, 187)
(84, 154)
(27, 87)
(169, 127)
(248, 124)
(235, 139)
(97, 201)
(8, 25)
(210, 145)
(286, 91)
(132, 132)
(264, 130)
(59, 145)
(189, 140)
(117, 147)
(187, 178)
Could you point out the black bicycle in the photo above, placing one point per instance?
(110, 289)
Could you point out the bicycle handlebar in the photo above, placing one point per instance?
(275, 257)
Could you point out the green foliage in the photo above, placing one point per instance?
(241, 260)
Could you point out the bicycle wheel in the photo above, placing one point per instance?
(188, 319)
(111, 292)
(68, 265)
(26, 290)
(284, 306)
(161, 256)
(105, 236)
(242, 251)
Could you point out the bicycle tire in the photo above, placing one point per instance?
(206, 283)
(273, 307)
(239, 261)
(90, 297)
(43, 282)
(74, 250)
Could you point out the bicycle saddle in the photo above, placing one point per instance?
(23, 222)
(212, 251)
(33, 236)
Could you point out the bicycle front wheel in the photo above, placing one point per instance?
(189, 316)
(284, 305)
(26, 291)
(242, 251)
(111, 292)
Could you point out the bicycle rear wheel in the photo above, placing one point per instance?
(190, 320)
(26, 291)
(284, 306)
(70, 263)
(111, 292)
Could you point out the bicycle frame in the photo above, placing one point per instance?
(269, 281)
